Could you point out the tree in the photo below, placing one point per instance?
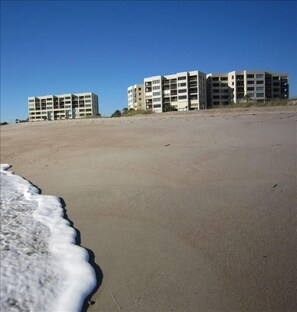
(247, 97)
(117, 113)
(168, 108)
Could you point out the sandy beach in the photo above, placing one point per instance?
(183, 211)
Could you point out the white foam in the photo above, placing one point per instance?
(41, 267)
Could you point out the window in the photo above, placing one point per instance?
(251, 95)
(250, 76)
(215, 78)
(156, 81)
(182, 97)
(157, 105)
(139, 89)
(183, 84)
(215, 84)
(216, 97)
(156, 99)
(251, 88)
(260, 88)
(250, 82)
(260, 76)
(216, 91)
(260, 82)
(260, 94)
(156, 93)
(224, 78)
(156, 87)
(182, 78)
(182, 90)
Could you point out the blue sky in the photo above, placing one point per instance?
(55, 47)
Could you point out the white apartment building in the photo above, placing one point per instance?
(183, 91)
(236, 86)
(64, 106)
(136, 97)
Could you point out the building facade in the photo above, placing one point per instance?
(183, 91)
(136, 97)
(237, 86)
(64, 106)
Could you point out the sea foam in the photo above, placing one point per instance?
(42, 269)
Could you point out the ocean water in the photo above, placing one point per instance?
(42, 269)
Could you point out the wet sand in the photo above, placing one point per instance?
(183, 211)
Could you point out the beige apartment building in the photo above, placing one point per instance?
(136, 97)
(237, 86)
(64, 106)
(184, 91)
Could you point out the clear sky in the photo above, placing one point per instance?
(56, 47)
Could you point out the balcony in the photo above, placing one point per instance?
(193, 84)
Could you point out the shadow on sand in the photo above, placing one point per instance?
(98, 272)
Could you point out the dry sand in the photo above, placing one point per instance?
(184, 212)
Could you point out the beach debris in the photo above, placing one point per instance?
(166, 145)
(275, 185)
